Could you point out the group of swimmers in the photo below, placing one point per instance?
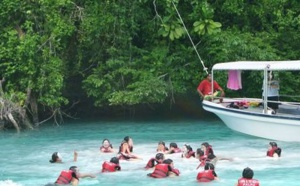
(162, 167)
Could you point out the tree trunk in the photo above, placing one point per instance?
(13, 121)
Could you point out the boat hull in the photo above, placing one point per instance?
(282, 128)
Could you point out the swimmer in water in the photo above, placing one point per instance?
(162, 147)
(111, 166)
(187, 151)
(247, 178)
(126, 149)
(106, 146)
(273, 150)
(57, 158)
(159, 158)
(208, 174)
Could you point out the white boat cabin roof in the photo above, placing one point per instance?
(258, 65)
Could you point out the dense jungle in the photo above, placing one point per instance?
(124, 58)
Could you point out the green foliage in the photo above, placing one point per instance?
(136, 52)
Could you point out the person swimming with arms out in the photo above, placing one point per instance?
(209, 153)
(70, 177)
(106, 146)
(126, 149)
(273, 150)
(187, 151)
(159, 158)
(164, 169)
(161, 147)
(208, 174)
(111, 166)
(247, 179)
(173, 148)
(57, 158)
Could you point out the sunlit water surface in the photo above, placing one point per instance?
(25, 157)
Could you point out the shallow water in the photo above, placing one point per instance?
(24, 158)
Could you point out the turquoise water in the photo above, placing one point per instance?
(24, 158)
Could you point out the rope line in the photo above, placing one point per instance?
(204, 67)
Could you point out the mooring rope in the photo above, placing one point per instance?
(204, 67)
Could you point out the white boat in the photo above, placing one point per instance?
(284, 125)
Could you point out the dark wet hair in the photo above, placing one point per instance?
(114, 160)
(73, 168)
(273, 144)
(209, 166)
(161, 143)
(159, 156)
(205, 144)
(126, 138)
(200, 152)
(248, 173)
(168, 161)
(173, 145)
(108, 142)
(54, 157)
(188, 147)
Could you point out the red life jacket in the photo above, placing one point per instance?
(151, 163)
(271, 152)
(161, 171)
(248, 182)
(205, 176)
(176, 171)
(190, 154)
(65, 177)
(110, 167)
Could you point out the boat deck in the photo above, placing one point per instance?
(292, 110)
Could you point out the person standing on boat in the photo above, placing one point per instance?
(204, 89)
(247, 179)
(273, 92)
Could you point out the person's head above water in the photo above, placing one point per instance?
(168, 161)
(56, 158)
(273, 144)
(114, 160)
(160, 156)
(174, 145)
(188, 147)
(209, 166)
(106, 143)
(199, 152)
(162, 143)
(248, 173)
